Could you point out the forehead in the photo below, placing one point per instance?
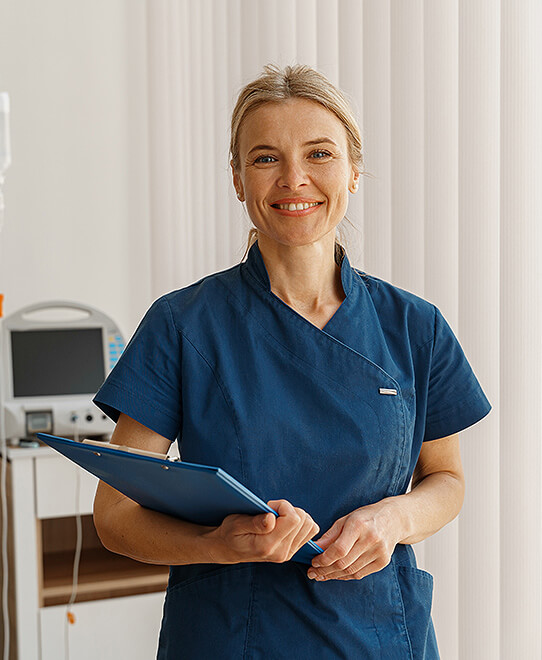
(276, 123)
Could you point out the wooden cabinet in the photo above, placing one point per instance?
(119, 601)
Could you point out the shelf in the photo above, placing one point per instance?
(102, 574)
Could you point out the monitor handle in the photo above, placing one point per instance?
(32, 316)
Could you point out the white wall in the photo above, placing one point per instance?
(76, 194)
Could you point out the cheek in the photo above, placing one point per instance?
(340, 193)
(334, 181)
(256, 185)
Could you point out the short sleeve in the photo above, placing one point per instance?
(455, 399)
(145, 384)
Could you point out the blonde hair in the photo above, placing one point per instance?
(297, 81)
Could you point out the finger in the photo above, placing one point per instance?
(308, 530)
(340, 547)
(358, 574)
(344, 570)
(289, 521)
(332, 533)
(282, 507)
(343, 564)
(274, 546)
(263, 523)
(293, 528)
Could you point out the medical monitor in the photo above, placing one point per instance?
(55, 357)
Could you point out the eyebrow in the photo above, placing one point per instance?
(306, 144)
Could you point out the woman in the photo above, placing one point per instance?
(308, 381)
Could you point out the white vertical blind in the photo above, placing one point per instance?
(233, 219)
(478, 322)
(449, 97)
(306, 27)
(377, 108)
(520, 328)
(440, 256)
(350, 63)
(327, 39)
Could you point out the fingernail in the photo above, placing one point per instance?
(312, 574)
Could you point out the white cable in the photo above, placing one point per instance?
(5, 567)
(5, 147)
(78, 547)
(2, 206)
(5, 161)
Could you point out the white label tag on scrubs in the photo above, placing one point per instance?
(385, 390)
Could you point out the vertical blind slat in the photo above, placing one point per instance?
(222, 111)
(327, 38)
(306, 26)
(206, 215)
(479, 217)
(437, 249)
(521, 318)
(286, 33)
(376, 236)
(350, 64)
(236, 227)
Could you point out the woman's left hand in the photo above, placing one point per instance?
(357, 544)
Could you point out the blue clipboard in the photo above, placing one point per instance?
(197, 493)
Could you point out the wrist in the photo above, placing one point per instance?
(214, 548)
(398, 517)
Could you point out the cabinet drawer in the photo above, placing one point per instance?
(56, 488)
(108, 629)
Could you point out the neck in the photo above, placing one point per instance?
(305, 277)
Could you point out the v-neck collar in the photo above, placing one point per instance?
(355, 324)
(256, 267)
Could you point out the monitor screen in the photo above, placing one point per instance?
(56, 362)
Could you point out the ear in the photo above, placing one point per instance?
(237, 183)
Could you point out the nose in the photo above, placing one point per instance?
(292, 174)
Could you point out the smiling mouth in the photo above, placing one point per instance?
(302, 206)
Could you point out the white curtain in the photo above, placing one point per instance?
(449, 99)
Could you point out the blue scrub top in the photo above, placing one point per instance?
(301, 413)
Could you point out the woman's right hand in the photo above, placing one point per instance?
(264, 537)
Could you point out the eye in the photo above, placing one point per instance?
(319, 154)
(265, 159)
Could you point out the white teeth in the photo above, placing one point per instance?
(297, 207)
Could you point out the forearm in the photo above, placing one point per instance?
(435, 501)
(128, 529)
(151, 537)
